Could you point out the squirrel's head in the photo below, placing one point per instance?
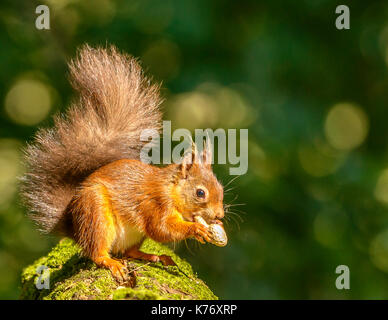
(197, 190)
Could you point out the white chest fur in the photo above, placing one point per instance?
(126, 237)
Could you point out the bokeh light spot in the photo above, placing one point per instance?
(346, 126)
(28, 102)
(381, 190)
(10, 168)
(262, 165)
(195, 110)
(319, 159)
(211, 105)
(59, 4)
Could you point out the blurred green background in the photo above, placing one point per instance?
(314, 99)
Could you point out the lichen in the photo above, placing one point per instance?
(75, 277)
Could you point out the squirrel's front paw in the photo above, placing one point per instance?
(201, 233)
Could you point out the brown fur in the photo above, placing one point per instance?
(116, 102)
(84, 178)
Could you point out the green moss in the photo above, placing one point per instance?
(75, 277)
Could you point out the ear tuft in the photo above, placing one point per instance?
(207, 153)
(186, 164)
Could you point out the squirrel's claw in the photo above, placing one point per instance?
(199, 239)
(116, 267)
(201, 233)
(119, 271)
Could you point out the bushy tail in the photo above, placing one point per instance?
(116, 103)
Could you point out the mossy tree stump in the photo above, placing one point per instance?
(75, 277)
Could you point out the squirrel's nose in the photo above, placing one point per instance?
(220, 213)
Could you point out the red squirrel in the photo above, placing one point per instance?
(84, 178)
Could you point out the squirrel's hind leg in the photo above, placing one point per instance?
(135, 253)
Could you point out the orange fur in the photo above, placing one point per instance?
(128, 195)
(84, 179)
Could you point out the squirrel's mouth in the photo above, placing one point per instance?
(208, 220)
(203, 216)
(191, 217)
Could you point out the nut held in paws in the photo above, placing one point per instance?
(217, 232)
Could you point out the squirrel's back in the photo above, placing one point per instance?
(116, 102)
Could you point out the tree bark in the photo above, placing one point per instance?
(64, 274)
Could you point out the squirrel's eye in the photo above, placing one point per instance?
(200, 193)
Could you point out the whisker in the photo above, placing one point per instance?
(236, 222)
(229, 206)
(198, 245)
(235, 214)
(233, 179)
(188, 248)
(228, 190)
(234, 199)
(226, 221)
(235, 204)
(239, 211)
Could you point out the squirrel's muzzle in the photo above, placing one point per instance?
(220, 213)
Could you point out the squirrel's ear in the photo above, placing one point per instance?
(207, 154)
(186, 164)
(188, 159)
